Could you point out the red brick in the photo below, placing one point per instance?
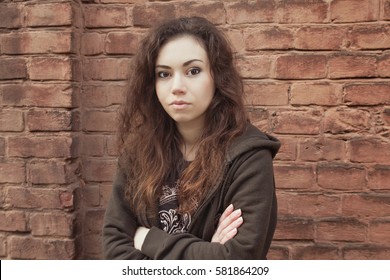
(384, 66)
(379, 232)
(106, 16)
(316, 252)
(254, 66)
(316, 94)
(38, 95)
(105, 193)
(107, 69)
(119, 1)
(288, 149)
(236, 39)
(370, 38)
(268, 38)
(386, 116)
(93, 145)
(250, 11)
(369, 150)
(3, 246)
(12, 172)
(91, 195)
(13, 221)
(52, 224)
(351, 66)
(67, 200)
(213, 11)
(11, 15)
(92, 246)
(37, 42)
(49, 120)
(386, 8)
(101, 96)
(48, 172)
(296, 122)
(309, 205)
(277, 252)
(354, 10)
(92, 43)
(13, 68)
(148, 15)
(366, 252)
(11, 121)
(99, 170)
(122, 43)
(317, 149)
(367, 94)
(112, 147)
(2, 146)
(366, 205)
(259, 118)
(300, 177)
(340, 120)
(94, 221)
(266, 94)
(55, 14)
(26, 247)
(30, 198)
(340, 229)
(298, 66)
(320, 38)
(294, 229)
(41, 147)
(330, 174)
(100, 121)
(301, 11)
(379, 178)
(2, 198)
(51, 68)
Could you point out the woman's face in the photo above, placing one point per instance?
(184, 84)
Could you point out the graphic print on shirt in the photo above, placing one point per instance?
(170, 220)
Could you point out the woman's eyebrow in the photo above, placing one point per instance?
(184, 64)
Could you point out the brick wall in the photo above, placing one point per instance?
(316, 76)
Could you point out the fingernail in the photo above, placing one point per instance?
(238, 212)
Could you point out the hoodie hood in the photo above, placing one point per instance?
(251, 139)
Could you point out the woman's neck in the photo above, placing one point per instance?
(190, 136)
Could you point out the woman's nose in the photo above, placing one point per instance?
(178, 85)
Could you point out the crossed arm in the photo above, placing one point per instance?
(228, 224)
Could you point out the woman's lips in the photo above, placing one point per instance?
(178, 105)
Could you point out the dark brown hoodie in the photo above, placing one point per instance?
(248, 184)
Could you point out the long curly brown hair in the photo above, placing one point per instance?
(149, 142)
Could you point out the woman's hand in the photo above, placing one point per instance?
(139, 237)
(228, 224)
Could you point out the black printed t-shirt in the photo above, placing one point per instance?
(171, 221)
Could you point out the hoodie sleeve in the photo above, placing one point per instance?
(119, 225)
(252, 190)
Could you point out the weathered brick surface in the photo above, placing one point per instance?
(316, 75)
(354, 11)
(26, 247)
(53, 14)
(50, 120)
(301, 11)
(37, 42)
(52, 224)
(38, 95)
(13, 68)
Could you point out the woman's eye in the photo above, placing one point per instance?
(163, 74)
(194, 71)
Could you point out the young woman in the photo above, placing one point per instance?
(195, 178)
